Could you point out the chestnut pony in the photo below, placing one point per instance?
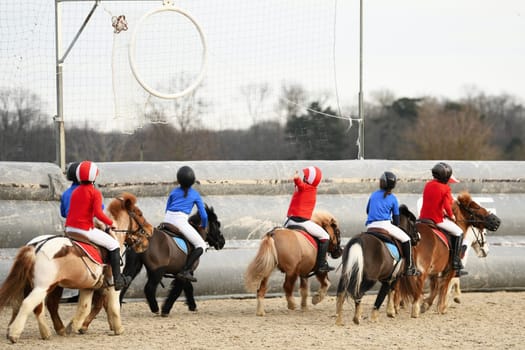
(293, 253)
(49, 263)
(432, 257)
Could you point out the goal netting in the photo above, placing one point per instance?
(253, 48)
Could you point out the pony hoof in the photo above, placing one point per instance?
(316, 299)
(82, 330)
(164, 314)
(260, 313)
(457, 300)
(356, 320)
(13, 339)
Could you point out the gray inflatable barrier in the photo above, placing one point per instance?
(251, 197)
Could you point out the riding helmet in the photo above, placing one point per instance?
(87, 171)
(387, 181)
(71, 172)
(312, 175)
(185, 176)
(442, 172)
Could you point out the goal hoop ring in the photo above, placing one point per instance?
(131, 54)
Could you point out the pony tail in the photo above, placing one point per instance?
(387, 192)
(19, 278)
(262, 265)
(186, 189)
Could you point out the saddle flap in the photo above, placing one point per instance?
(93, 251)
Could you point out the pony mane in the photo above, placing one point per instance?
(323, 216)
(464, 197)
(403, 210)
(116, 205)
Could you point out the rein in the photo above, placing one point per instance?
(140, 231)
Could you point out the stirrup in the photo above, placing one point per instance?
(186, 275)
(412, 271)
(325, 268)
(122, 282)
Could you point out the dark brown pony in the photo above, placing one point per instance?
(163, 258)
(54, 262)
(432, 257)
(294, 254)
(366, 261)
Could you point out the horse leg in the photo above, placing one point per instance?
(456, 290)
(341, 296)
(34, 299)
(261, 292)
(173, 295)
(190, 298)
(99, 301)
(391, 303)
(358, 313)
(288, 286)
(83, 309)
(45, 332)
(113, 311)
(324, 284)
(383, 291)
(132, 268)
(304, 290)
(433, 291)
(150, 290)
(52, 303)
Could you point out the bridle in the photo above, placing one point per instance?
(140, 231)
(491, 222)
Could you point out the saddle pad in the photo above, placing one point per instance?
(181, 244)
(393, 250)
(91, 251)
(441, 236)
(308, 237)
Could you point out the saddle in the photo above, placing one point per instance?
(442, 234)
(313, 240)
(96, 253)
(172, 231)
(384, 236)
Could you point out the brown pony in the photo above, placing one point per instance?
(433, 258)
(295, 255)
(50, 262)
(367, 260)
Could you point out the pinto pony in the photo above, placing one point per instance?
(432, 256)
(293, 252)
(52, 262)
(368, 258)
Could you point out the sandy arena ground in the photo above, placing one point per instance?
(482, 321)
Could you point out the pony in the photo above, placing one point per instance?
(479, 243)
(165, 257)
(293, 252)
(432, 256)
(368, 258)
(49, 263)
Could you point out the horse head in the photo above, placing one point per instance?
(212, 234)
(126, 213)
(407, 222)
(328, 222)
(476, 220)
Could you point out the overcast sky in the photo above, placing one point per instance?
(434, 47)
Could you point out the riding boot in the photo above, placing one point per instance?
(455, 242)
(119, 280)
(410, 268)
(462, 253)
(187, 271)
(322, 264)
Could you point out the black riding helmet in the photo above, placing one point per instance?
(442, 172)
(387, 181)
(71, 171)
(185, 177)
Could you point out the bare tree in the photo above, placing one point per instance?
(256, 96)
(449, 132)
(292, 102)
